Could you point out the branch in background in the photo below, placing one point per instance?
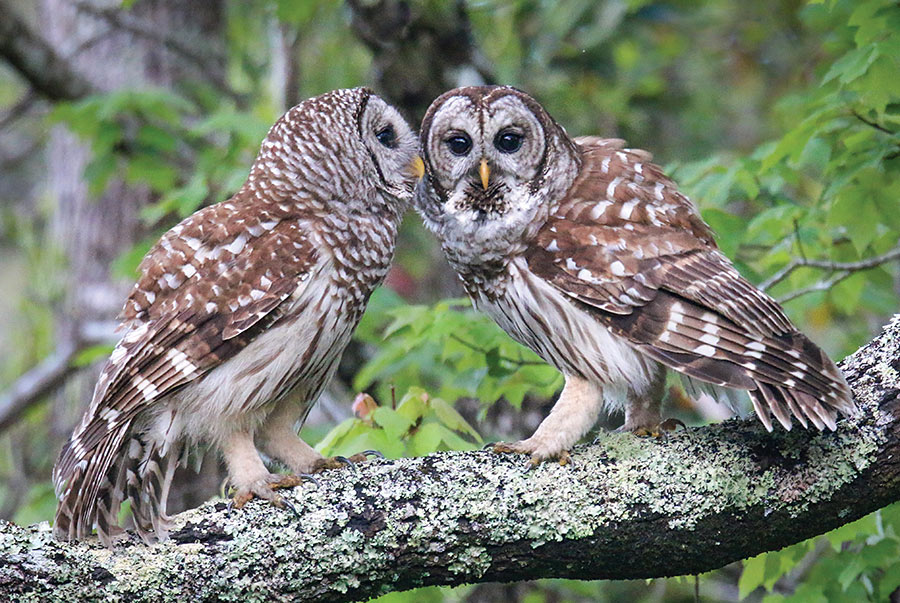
(50, 373)
(420, 50)
(628, 508)
(20, 108)
(823, 285)
(34, 385)
(206, 60)
(48, 73)
(841, 267)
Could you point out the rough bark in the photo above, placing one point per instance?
(92, 231)
(628, 508)
(37, 61)
(419, 50)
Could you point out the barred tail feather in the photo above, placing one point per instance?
(88, 484)
(149, 472)
(785, 374)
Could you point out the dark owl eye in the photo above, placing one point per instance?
(459, 144)
(508, 141)
(387, 136)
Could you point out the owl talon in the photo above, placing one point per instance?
(306, 477)
(657, 431)
(340, 462)
(284, 504)
(672, 424)
(563, 457)
(264, 489)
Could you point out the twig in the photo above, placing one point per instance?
(20, 108)
(820, 286)
(49, 74)
(797, 238)
(207, 61)
(873, 124)
(23, 154)
(38, 382)
(872, 262)
(520, 362)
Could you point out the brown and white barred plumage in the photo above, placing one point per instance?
(241, 314)
(584, 251)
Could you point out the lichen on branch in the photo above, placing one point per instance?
(627, 508)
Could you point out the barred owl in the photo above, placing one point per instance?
(585, 252)
(240, 316)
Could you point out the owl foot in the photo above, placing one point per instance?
(656, 431)
(538, 456)
(265, 489)
(337, 462)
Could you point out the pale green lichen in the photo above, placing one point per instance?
(354, 527)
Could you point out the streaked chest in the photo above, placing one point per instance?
(537, 315)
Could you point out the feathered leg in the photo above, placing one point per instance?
(249, 476)
(278, 438)
(572, 416)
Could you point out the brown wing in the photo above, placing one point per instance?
(627, 246)
(206, 290)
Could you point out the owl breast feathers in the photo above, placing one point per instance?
(584, 251)
(240, 316)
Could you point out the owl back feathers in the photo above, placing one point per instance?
(627, 247)
(200, 300)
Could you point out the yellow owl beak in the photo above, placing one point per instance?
(484, 170)
(418, 167)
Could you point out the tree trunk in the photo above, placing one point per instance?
(92, 232)
(627, 508)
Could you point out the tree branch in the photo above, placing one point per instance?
(207, 61)
(37, 383)
(419, 50)
(47, 72)
(866, 264)
(628, 508)
(52, 371)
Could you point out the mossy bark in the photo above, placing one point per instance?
(628, 508)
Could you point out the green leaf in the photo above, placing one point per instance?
(851, 531)
(858, 215)
(447, 415)
(98, 172)
(156, 138)
(394, 424)
(407, 316)
(426, 440)
(846, 294)
(296, 12)
(850, 572)
(413, 404)
(752, 575)
(852, 65)
(728, 227)
(92, 353)
(337, 433)
(151, 170)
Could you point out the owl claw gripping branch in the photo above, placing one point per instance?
(240, 317)
(585, 252)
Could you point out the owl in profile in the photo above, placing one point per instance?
(584, 251)
(240, 316)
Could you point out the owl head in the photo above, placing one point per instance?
(348, 146)
(495, 162)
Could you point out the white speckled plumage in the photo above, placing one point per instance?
(241, 314)
(584, 251)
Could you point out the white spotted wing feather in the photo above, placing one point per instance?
(625, 246)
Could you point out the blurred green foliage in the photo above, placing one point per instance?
(781, 120)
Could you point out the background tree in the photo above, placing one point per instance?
(780, 120)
